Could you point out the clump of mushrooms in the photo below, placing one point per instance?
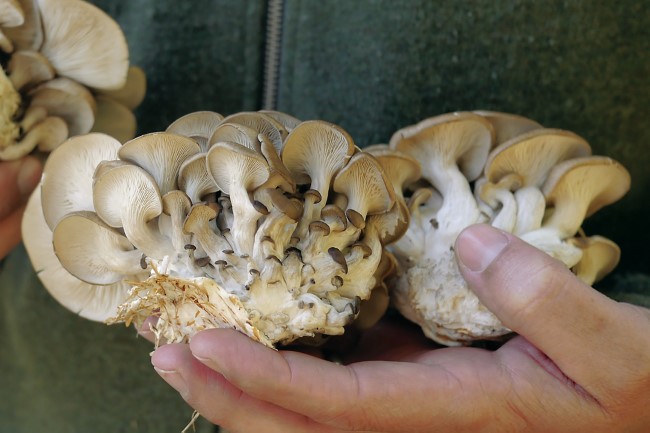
(65, 71)
(255, 221)
(508, 171)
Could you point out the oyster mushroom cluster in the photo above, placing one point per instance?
(255, 221)
(508, 171)
(65, 71)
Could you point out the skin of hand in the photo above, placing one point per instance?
(17, 180)
(580, 363)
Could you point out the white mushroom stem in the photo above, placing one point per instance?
(501, 201)
(531, 205)
(47, 135)
(214, 244)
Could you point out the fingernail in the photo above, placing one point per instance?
(28, 176)
(479, 245)
(174, 379)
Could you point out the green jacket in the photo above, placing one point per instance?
(372, 67)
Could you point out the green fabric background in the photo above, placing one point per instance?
(372, 67)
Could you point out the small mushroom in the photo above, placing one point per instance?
(161, 154)
(92, 251)
(366, 187)
(238, 171)
(599, 257)
(128, 197)
(194, 179)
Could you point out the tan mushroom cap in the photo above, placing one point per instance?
(194, 179)
(28, 68)
(400, 168)
(507, 125)
(83, 43)
(235, 133)
(68, 174)
(599, 257)
(261, 123)
(11, 13)
(232, 165)
(128, 197)
(463, 139)
(314, 151)
(161, 154)
(289, 122)
(199, 126)
(92, 251)
(532, 155)
(132, 93)
(92, 302)
(366, 187)
(28, 35)
(114, 119)
(68, 100)
(579, 187)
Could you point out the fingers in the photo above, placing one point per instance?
(596, 342)
(369, 396)
(17, 180)
(219, 401)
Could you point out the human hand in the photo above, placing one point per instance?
(581, 363)
(17, 180)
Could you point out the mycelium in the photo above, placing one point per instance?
(255, 221)
(537, 183)
(65, 71)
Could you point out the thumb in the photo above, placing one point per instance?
(588, 336)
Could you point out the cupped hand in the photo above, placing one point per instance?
(17, 180)
(580, 363)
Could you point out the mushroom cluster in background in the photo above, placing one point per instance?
(256, 221)
(65, 71)
(507, 171)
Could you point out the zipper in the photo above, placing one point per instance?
(272, 54)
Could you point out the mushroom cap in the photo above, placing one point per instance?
(92, 302)
(599, 257)
(68, 174)
(194, 179)
(11, 14)
(366, 187)
(27, 68)
(235, 133)
(287, 121)
(132, 93)
(463, 139)
(114, 119)
(595, 181)
(198, 126)
(69, 100)
(400, 168)
(126, 191)
(161, 154)
(507, 125)
(92, 251)
(233, 165)
(532, 155)
(261, 123)
(28, 35)
(314, 151)
(84, 43)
